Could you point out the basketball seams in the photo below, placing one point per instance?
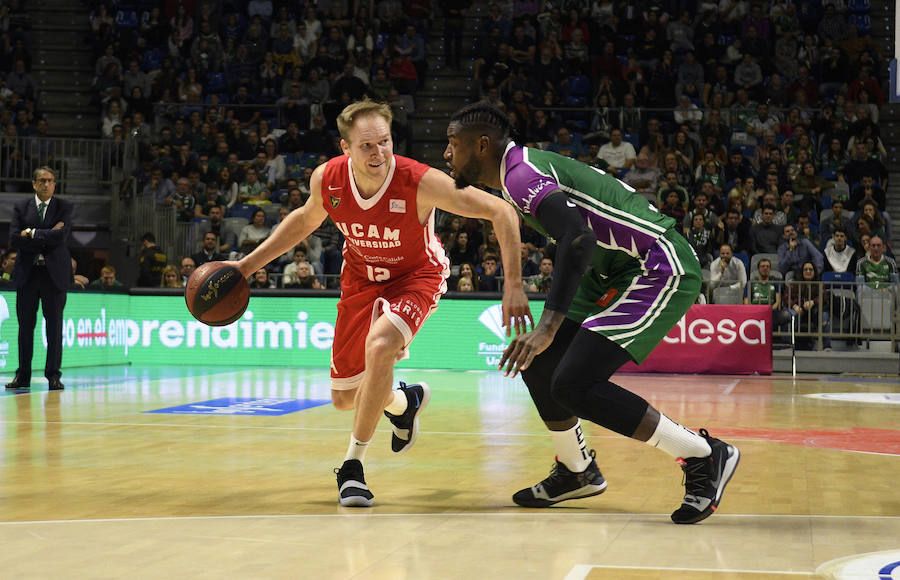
(217, 295)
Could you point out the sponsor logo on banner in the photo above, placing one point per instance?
(724, 331)
(715, 339)
(4, 344)
(492, 319)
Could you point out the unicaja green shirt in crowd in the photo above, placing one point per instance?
(762, 292)
(877, 274)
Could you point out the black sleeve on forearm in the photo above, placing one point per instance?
(575, 243)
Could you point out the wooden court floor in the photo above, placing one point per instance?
(95, 485)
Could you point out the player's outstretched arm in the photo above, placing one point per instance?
(438, 190)
(296, 227)
(575, 244)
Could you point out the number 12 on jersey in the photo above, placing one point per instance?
(376, 274)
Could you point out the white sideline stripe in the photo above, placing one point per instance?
(730, 386)
(581, 571)
(525, 513)
(541, 435)
(272, 428)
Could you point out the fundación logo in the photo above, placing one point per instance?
(492, 319)
(4, 344)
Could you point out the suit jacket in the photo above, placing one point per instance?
(201, 258)
(47, 241)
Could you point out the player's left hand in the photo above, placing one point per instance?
(522, 350)
(516, 312)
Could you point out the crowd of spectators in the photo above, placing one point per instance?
(752, 124)
(233, 104)
(24, 140)
(736, 118)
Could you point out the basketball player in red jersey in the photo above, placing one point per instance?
(394, 273)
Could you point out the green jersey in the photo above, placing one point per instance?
(877, 274)
(643, 275)
(626, 225)
(761, 292)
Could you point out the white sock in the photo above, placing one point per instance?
(677, 440)
(357, 449)
(571, 448)
(398, 404)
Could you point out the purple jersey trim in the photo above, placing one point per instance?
(524, 184)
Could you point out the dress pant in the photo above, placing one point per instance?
(39, 288)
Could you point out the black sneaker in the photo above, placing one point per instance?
(352, 488)
(563, 484)
(406, 425)
(705, 479)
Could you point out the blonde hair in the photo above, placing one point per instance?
(361, 109)
(170, 270)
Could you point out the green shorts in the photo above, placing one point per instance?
(636, 304)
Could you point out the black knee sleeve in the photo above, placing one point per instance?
(581, 384)
(539, 374)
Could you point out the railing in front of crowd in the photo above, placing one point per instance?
(814, 315)
(81, 164)
(134, 214)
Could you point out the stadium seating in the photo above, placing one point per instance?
(859, 6)
(863, 23)
(127, 18)
(242, 210)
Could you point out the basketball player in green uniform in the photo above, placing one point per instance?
(623, 278)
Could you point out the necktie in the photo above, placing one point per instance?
(42, 207)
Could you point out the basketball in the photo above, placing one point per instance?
(217, 294)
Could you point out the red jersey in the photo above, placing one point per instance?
(383, 237)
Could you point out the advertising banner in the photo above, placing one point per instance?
(105, 329)
(715, 339)
(95, 331)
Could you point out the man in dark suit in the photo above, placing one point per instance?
(208, 252)
(39, 230)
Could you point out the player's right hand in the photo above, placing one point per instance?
(516, 311)
(522, 350)
(237, 265)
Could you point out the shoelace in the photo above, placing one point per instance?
(555, 473)
(558, 466)
(694, 475)
(351, 473)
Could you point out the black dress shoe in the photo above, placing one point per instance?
(16, 385)
(55, 385)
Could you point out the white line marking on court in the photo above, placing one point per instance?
(730, 387)
(497, 514)
(581, 571)
(541, 435)
(273, 428)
